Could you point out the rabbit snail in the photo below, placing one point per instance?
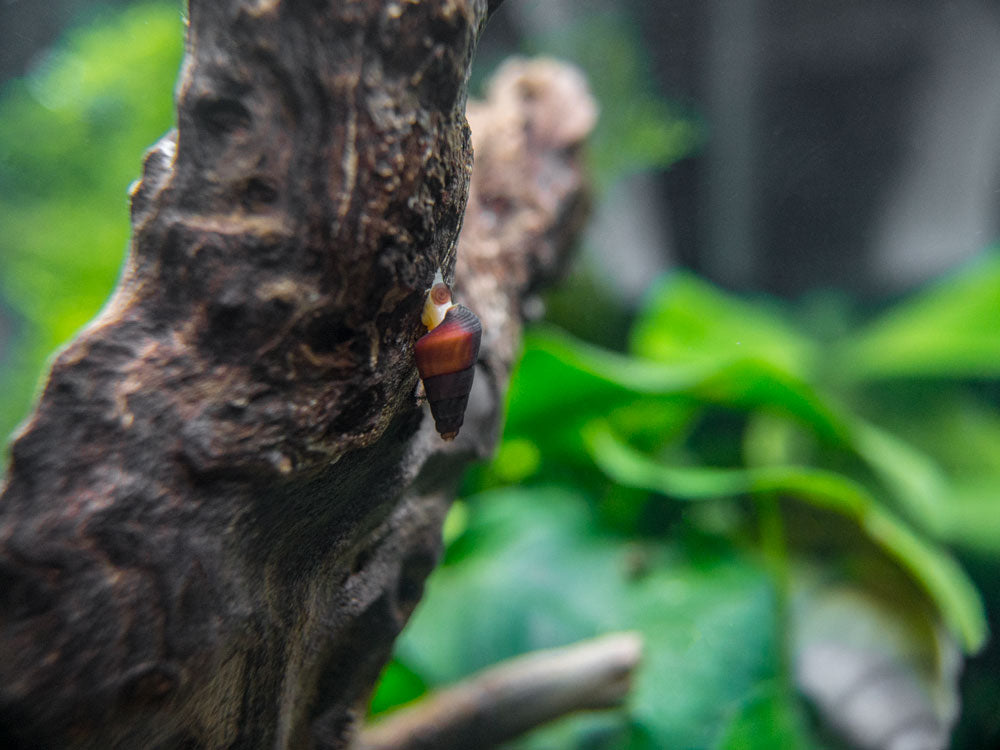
(446, 357)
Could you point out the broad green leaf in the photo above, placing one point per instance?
(560, 379)
(973, 518)
(627, 466)
(775, 440)
(952, 330)
(966, 435)
(757, 359)
(561, 354)
(398, 685)
(540, 575)
(455, 523)
(532, 577)
(711, 643)
(953, 423)
(560, 384)
(949, 587)
(769, 719)
(688, 320)
(599, 730)
(944, 580)
(964, 510)
(918, 485)
(750, 383)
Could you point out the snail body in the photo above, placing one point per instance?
(446, 357)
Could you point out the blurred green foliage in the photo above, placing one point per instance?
(638, 129)
(72, 135)
(712, 488)
(745, 479)
(749, 481)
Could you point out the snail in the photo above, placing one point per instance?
(446, 356)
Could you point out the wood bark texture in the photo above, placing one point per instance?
(224, 507)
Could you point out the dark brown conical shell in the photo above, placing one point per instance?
(446, 359)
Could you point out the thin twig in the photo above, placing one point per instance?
(508, 700)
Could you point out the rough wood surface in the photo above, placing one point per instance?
(224, 507)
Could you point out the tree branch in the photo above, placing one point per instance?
(507, 700)
(223, 508)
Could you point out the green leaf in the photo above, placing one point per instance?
(952, 330)
(756, 359)
(688, 320)
(973, 518)
(710, 644)
(769, 719)
(941, 577)
(497, 600)
(964, 510)
(560, 384)
(600, 730)
(398, 685)
(563, 354)
(949, 587)
(955, 424)
(560, 379)
(919, 486)
(539, 575)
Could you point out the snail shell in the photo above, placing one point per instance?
(446, 359)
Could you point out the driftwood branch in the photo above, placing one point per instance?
(506, 701)
(223, 509)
